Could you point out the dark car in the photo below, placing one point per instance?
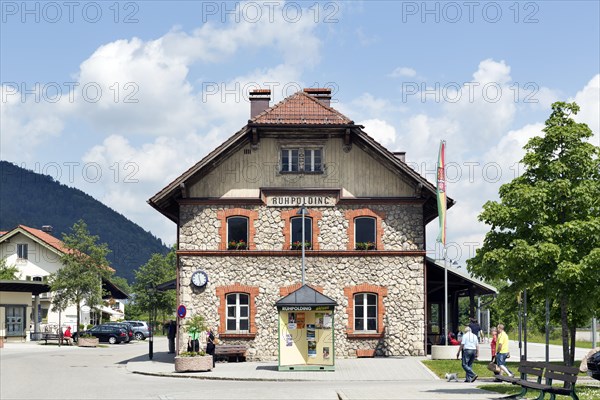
(126, 326)
(105, 333)
(593, 364)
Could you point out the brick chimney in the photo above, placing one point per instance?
(321, 94)
(259, 101)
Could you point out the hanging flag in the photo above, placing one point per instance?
(441, 193)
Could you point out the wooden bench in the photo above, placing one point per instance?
(226, 351)
(553, 372)
(55, 336)
(526, 369)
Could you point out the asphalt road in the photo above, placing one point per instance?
(33, 371)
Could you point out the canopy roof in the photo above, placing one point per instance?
(306, 296)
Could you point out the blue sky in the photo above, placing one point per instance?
(119, 98)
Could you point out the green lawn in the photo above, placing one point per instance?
(440, 367)
(541, 338)
(583, 392)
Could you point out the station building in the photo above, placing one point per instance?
(239, 218)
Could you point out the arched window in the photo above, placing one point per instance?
(237, 233)
(296, 232)
(238, 312)
(365, 237)
(365, 312)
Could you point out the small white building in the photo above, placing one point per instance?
(26, 303)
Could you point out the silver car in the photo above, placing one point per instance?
(140, 329)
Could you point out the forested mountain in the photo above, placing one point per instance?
(31, 199)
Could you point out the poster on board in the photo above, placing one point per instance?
(292, 321)
(312, 349)
(300, 318)
(310, 332)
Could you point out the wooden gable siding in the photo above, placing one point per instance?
(359, 173)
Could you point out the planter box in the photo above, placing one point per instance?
(199, 363)
(440, 352)
(365, 353)
(88, 342)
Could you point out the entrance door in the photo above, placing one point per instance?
(15, 320)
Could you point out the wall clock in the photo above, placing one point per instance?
(199, 278)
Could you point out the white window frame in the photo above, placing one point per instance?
(289, 151)
(237, 316)
(365, 318)
(309, 160)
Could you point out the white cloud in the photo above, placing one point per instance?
(381, 131)
(588, 99)
(400, 72)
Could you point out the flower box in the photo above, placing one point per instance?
(361, 353)
(193, 364)
(365, 246)
(298, 246)
(88, 342)
(241, 245)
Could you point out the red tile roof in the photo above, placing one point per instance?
(301, 108)
(49, 240)
(46, 238)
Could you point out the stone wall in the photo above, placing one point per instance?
(402, 226)
(403, 276)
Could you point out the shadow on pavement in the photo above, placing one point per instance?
(161, 357)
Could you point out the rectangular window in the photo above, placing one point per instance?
(290, 160)
(237, 233)
(22, 251)
(312, 160)
(238, 310)
(364, 233)
(365, 312)
(296, 235)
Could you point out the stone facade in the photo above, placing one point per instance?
(393, 272)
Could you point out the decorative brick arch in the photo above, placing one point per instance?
(284, 291)
(381, 292)
(351, 215)
(222, 292)
(287, 216)
(222, 216)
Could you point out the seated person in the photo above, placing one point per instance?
(67, 336)
(453, 341)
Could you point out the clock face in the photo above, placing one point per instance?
(199, 278)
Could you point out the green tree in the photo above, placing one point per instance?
(84, 266)
(545, 230)
(159, 269)
(8, 272)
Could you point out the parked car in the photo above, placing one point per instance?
(140, 329)
(127, 327)
(593, 365)
(106, 333)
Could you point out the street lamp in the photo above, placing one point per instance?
(303, 211)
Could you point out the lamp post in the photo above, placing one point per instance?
(151, 298)
(303, 211)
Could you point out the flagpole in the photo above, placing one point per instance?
(441, 200)
(445, 298)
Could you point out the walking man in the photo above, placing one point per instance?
(470, 352)
(502, 350)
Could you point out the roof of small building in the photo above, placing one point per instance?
(305, 296)
(301, 108)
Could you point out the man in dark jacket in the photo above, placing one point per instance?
(475, 328)
(171, 333)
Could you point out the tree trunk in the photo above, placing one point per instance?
(78, 305)
(572, 355)
(565, 329)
